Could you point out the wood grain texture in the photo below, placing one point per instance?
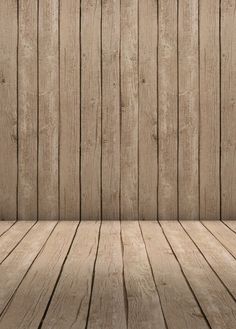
(12, 237)
(91, 109)
(222, 262)
(70, 302)
(215, 301)
(223, 234)
(69, 109)
(48, 110)
(108, 308)
(143, 304)
(171, 284)
(5, 225)
(167, 110)
(111, 109)
(188, 110)
(129, 109)
(148, 109)
(228, 108)
(8, 110)
(27, 110)
(14, 268)
(209, 110)
(30, 300)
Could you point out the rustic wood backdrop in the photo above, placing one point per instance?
(117, 109)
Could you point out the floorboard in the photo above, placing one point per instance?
(216, 302)
(70, 302)
(108, 307)
(144, 308)
(118, 275)
(220, 260)
(5, 226)
(14, 267)
(28, 304)
(225, 235)
(12, 237)
(170, 282)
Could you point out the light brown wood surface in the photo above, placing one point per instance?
(221, 261)
(111, 109)
(14, 268)
(228, 108)
(69, 144)
(91, 109)
(119, 275)
(48, 111)
(188, 49)
(129, 109)
(8, 110)
(5, 225)
(117, 109)
(27, 109)
(70, 302)
(209, 109)
(215, 301)
(108, 307)
(178, 302)
(148, 143)
(223, 234)
(28, 304)
(143, 303)
(12, 237)
(167, 110)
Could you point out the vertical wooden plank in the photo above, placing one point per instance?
(110, 109)
(228, 101)
(188, 110)
(8, 109)
(69, 109)
(48, 110)
(167, 87)
(129, 109)
(27, 110)
(91, 109)
(209, 110)
(148, 109)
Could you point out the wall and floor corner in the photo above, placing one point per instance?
(117, 109)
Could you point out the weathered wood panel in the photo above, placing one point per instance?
(27, 109)
(117, 109)
(8, 109)
(48, 120)
(188, 110)
(209, 110)
(148, 109)
(228, 109)
(69, 109)
(167, 110)
(91, 109)
(111, 109)
(129, 109)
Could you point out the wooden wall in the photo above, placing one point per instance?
(117, 109)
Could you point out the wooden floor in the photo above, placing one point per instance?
(111, 274)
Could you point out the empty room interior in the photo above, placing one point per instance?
(117, 164)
